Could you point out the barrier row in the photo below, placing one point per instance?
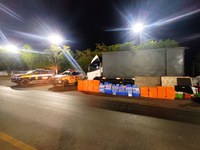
(88, 85)
(159, 92)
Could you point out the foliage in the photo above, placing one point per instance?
(53, 53)
(10, 61)
(58, 57)
(84, 57)
(64, 64)
(34, 59)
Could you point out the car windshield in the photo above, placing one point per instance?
(30, 72)
(65, 73)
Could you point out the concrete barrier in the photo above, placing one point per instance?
(3, 73)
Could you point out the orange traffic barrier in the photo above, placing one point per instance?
(96, 84)
(85, 85)
(80, 85)
(187, 96)
(144, 91)
(153, 92)
(90, 85)
(162, 92)
(171, 93)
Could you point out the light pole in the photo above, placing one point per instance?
(57, 40)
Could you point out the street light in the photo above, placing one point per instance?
(138, 27)
(55, 39)
(137, 30)
(11, 48)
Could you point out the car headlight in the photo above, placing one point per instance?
(58, 80)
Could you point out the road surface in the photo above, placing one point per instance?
(38, 118)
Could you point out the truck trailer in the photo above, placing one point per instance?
(126, 65)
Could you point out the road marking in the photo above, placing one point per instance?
(14, 142)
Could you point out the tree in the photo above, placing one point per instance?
(58, 57)
(9, 61)
(53, 53)
(84, 58)
(64, 61)
(34, 59)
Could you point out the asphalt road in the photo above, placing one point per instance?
(39, 117)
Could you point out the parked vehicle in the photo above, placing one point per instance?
(32, 76)
(124, 65)
(68, 77)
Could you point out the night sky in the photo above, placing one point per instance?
(85, 22)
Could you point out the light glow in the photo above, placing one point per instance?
(11, 48)
(138, 28)
(174, 18)
(55, 39)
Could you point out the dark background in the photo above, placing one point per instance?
(86, 22)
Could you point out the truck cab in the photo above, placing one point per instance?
(95, 68)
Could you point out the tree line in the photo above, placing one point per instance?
(54, 58)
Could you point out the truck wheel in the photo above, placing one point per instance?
(24, 82)
(65, 83)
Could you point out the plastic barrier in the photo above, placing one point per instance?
(179, 95)
(162, 92)
(129, 90)
(136, 91)
(187, 96)
(102, 88)
(153, 92)
(96, 84)
(144, 91)
(85, 85)
(108, 88)
(80, 85)
(121, 90)
(115, 89)
(90, 85)
(170, 93)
